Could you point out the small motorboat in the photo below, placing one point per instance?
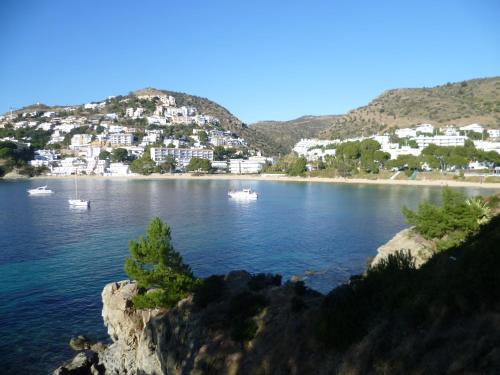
(243, 194)
(78, 203)
(41, 190)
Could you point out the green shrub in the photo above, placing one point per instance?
(243, 330)
(456, 217)
(264, 280)
(155, 265)
(299, 288)
(246, 305)
(210, 290)
(297, 304)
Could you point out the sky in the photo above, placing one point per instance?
(262, 60)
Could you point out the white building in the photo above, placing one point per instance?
(90, 106)
(395, 150)
(493, 133)
(305, 144)
(121, 139)
(450, 131)
(473, 128)
(487, 146)
(134, 112)
(425, 128)
(80, 140)
(439, 140)
(181, 155)
(251, 165)
(118, 169)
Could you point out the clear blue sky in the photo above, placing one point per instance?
(260, 59)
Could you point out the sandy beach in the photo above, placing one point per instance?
(282, 178)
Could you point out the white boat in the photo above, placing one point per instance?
(41, 190)
(78, 202)
(243, 194)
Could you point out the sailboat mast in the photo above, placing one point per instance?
(76, 188)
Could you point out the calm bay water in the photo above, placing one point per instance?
(54, 261)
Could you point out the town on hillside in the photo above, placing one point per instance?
(144, 133)
(149, 132)
(471, 148)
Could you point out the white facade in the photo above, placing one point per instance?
(493, 133)
(473, 127)
(487, 146)
(181, 155)
(242, 166)
(121, 139)
(450, 130)
(118, 169)
(305, 144)
(394, 150)
(80, 140)
(425, 128)
(439, 140)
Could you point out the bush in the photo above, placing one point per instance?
(297, 304)
(246, 305)
(243, 330)
(263, 280)
(157, 267)
(210, 290)
(454, 215)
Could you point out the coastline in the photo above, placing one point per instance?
(281, 178)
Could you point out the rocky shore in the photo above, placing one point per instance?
(189, 339)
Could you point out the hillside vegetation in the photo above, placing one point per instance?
(227, 120)
(461, 103)
(285, 134)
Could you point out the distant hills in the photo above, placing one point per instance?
(461, 103)
(284, 134)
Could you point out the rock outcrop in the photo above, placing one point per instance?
(189, 339)
(420, 249)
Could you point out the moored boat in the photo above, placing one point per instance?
(243, 194)
(41, 190)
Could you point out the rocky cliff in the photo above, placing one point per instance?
(263, 329)
(442, 318)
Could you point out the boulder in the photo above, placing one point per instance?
(81, 364)
(79, 343)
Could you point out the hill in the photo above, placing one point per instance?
(460, 103)
(285, 134)
(208, 107)
(227, 120)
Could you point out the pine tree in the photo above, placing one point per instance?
(158, 268)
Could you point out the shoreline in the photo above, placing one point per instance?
(332, 180)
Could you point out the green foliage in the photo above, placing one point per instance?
(79, 130)
(104, 155)
(38, 138)
(119, 155)
(209, 290)
(203, 137)
(243, 330)
(263, 280)
(158, 268)
(199, 164)
(449, 223)
(298, 167)
(393, 294)
(242, 308)
(144, 165)
(221, 153)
